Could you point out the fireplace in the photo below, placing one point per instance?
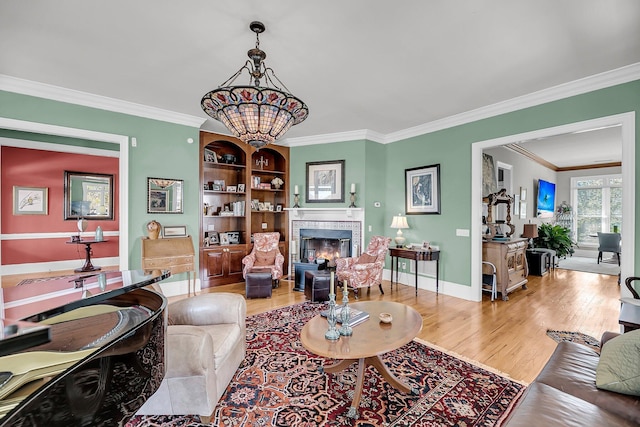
(324, 244)
(324, 231)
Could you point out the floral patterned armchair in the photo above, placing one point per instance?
(265, 254)
(365, 270)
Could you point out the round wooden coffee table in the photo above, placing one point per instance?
(370, 339)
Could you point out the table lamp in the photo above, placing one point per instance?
(399, 222)
(530, 232)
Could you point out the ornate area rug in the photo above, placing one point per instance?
(279, 384)
(578, 337)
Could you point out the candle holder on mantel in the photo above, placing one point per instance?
(296, 200)
(346, 328)
(353, 200)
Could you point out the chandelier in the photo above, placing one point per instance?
(256, 114)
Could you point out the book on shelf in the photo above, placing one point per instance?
(355, 316)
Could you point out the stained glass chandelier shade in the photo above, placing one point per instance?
(258, 115)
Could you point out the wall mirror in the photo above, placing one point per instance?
(164, 195)
(88, 195)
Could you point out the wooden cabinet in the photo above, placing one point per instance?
(223, 264)
(237, 200)
(510, 260)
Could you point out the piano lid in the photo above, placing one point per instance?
(46, 297)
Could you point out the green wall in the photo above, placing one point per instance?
(162, 151)
(451, 148)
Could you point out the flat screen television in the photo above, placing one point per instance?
(545, 207)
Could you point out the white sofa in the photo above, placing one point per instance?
(206, 342)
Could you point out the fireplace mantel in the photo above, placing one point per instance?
(326, 213)
(325, 218)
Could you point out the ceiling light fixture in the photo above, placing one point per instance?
(256, 114)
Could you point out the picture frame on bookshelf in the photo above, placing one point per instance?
(255, 182)
(261, 206)
(224, 239)
(216, 187)
(255, 204)
(214, 239)
(240, 188)
(278, 208)
(219, 182)
(210, 156)
(232, 189)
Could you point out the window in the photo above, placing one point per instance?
(598, 206)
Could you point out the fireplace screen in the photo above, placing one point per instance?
(324, 244)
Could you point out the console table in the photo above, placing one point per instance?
(175, 254)
(87, 261)
(416, 255)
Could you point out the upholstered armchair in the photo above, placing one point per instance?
(265, 254)
(366, 269)
(205, 345)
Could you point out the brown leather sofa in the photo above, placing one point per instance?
(565, 394)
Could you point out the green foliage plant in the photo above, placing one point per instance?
(555, 237)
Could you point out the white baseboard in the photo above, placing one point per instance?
(429, 283)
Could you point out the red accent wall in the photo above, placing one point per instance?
(39, 168)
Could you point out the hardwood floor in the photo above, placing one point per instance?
(509, 336)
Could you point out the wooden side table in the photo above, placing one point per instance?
(416, 255)
(629, 317)
(369, 341)
(88, 266)
(175, 254)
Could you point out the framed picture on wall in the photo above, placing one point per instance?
(422, 190)
(30, 200)
(325, 182)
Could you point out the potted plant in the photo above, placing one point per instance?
(555, 237)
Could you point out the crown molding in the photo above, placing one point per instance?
(355, 135)
(577, 87)
(56, 93)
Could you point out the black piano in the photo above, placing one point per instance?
(81, 350)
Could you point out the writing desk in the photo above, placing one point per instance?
(175, 254)
(416, 255)
(88, 266)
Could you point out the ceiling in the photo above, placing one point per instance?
(371, 65)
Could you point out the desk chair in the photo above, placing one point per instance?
(609, 242)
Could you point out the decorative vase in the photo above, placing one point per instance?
(82, 225)
(99, 235)
(153, 229)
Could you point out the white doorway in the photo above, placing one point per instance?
(627, 123)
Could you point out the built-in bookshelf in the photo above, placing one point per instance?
(243, 191)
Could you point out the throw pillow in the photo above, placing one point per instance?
(265, 258)
(619, 365)
(365, 258)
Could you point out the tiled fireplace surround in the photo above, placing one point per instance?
(325, 219)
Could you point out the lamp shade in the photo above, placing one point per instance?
(399, 222)
(530, 231)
